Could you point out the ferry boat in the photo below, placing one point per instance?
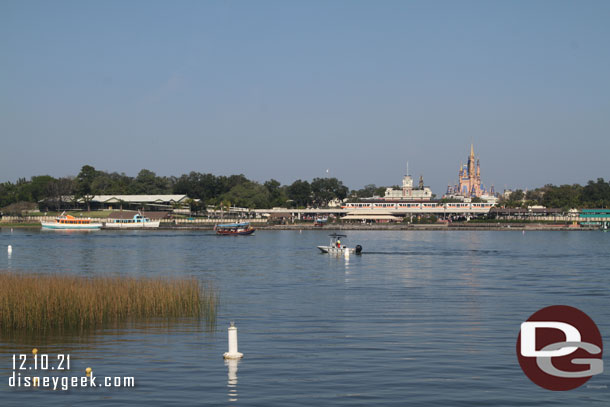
(336, 247)
(64, 221)
(138, 221)
(234, 229)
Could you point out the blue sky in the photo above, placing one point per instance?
(287, 89)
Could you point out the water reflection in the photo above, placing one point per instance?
(441, 304)
(232, 375)
(112, 333)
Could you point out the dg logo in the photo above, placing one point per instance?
(560, 348)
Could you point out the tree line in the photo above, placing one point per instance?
(596, 194)
(206, 189)
(49, 193)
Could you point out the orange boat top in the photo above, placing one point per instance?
(72, 220)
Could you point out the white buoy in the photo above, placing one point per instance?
(232, 353)
(9, 249)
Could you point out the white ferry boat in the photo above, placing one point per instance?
(138, 221)
(64, 222)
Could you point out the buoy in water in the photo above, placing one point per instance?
(232, 353)
(9, 249)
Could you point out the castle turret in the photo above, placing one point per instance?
(470, 176)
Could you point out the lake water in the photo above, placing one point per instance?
(421, 318)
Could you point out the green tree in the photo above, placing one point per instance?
(84, 182)
(248, 195)
(534, 196)
(59, 191)
(564, 196)
(326, 189)
(277, 195)
(514, 200)
(300, 193)
(206, 187)
(37, 187)
(8, 194)
(148, 183)
(369, 191)
(596, 194)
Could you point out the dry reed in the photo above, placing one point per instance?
(42, 303)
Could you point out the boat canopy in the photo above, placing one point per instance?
(233, 225)
(337, 235)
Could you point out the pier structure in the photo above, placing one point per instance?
(595, 217)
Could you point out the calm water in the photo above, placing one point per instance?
(421, 318)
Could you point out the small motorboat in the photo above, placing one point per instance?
(234, 229)
(336, 247)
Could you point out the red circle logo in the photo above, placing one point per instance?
(560, 348)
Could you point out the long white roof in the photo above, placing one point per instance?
(137, 198)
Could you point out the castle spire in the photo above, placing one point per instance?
(471, 149)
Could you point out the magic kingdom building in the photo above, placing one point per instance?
(469, 181)
(408, 191)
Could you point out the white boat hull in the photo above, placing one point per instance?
(60, 226)
(132, 225)
(336, 250)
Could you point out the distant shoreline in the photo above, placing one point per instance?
(361, 227)
(399, 227)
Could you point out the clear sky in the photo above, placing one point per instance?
(289, 89)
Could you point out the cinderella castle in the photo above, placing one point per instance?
(469, 180)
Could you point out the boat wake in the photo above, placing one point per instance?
(438, 253)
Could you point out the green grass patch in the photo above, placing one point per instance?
(55, 303)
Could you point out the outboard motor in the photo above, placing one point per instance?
(358, 249)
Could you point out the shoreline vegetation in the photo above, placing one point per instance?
(38, 303)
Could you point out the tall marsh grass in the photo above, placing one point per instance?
(43, 303)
